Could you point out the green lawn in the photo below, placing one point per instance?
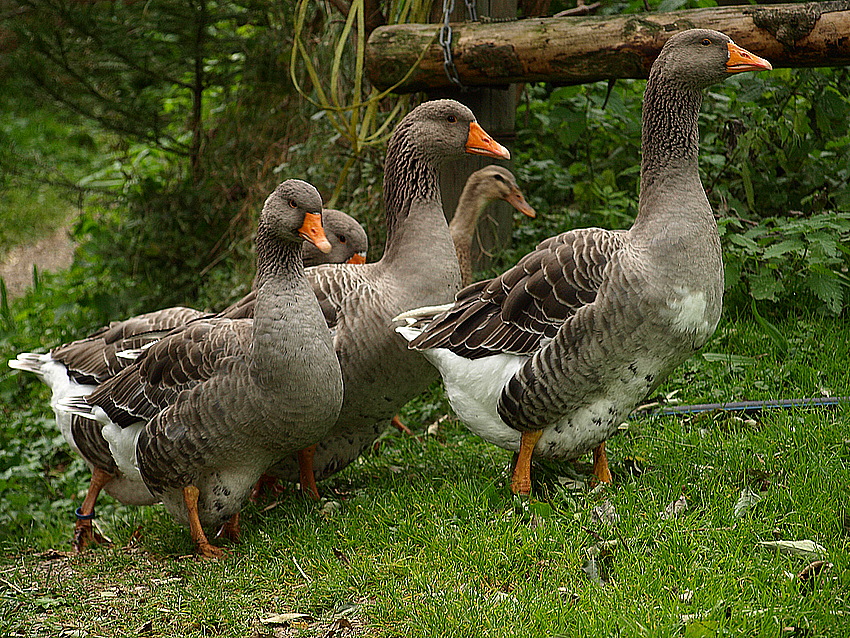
(422, 538)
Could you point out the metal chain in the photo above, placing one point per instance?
(446, 43)
(445, 37)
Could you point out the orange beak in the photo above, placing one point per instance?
(741, 60)
(357, 258)
(480, 143)
(516, 200)
(312, 231)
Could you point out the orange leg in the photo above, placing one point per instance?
(521, 478)
(84, 533)
(306, 475)
(600, 464)
(204, 547)
(231, 530)
(401, 427)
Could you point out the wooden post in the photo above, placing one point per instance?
(495, 109)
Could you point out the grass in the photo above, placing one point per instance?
(422, 538)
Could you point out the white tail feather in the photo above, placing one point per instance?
(426, 312)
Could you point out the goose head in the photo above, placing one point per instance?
(347, 238)
(292, 214)
(702, 57)
(445, 129)
(494, 182)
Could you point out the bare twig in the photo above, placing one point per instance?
(580, 10)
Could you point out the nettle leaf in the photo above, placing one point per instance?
(827, 287)
(782, 248)
(823, 246)
(728, 226)
(572, 124)
(732, 266)
(746, 243)
(765, 285)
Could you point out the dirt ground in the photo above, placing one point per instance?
(50, 254)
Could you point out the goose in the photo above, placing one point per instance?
(76, 369)
(419, 267)
(484, 186)
(203, 411)
(548, 358)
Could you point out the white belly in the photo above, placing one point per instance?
(474, 387)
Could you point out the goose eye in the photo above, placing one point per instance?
(293, 203)
(341, 239)
(705, 42)
(499, 178)
(452, 119)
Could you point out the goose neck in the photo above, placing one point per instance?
(277, 262)
(410, 179)
(670, 138)
(469, 208)
(287, 325)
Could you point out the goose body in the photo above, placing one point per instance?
(484, 186)
(358, 302)
(552, 355)
(203, 411)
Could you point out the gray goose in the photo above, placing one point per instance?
(202, 412)
(484, 186)
(418, 267)
(76, 369)
(550, 357)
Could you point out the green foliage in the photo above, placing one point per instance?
(192, 96)
(41, 481)
(789, 258)
(775, 161)
(43, 151)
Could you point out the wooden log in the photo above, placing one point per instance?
(576, 50)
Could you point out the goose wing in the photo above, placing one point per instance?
(343, 291)
(176, 363)
(516, 311)
(95, 359)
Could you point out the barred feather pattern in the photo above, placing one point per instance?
(214, 403)
(515, 311)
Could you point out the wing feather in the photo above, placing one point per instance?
(514, 312)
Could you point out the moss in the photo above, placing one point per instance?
(494, 60)
(789, 27)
